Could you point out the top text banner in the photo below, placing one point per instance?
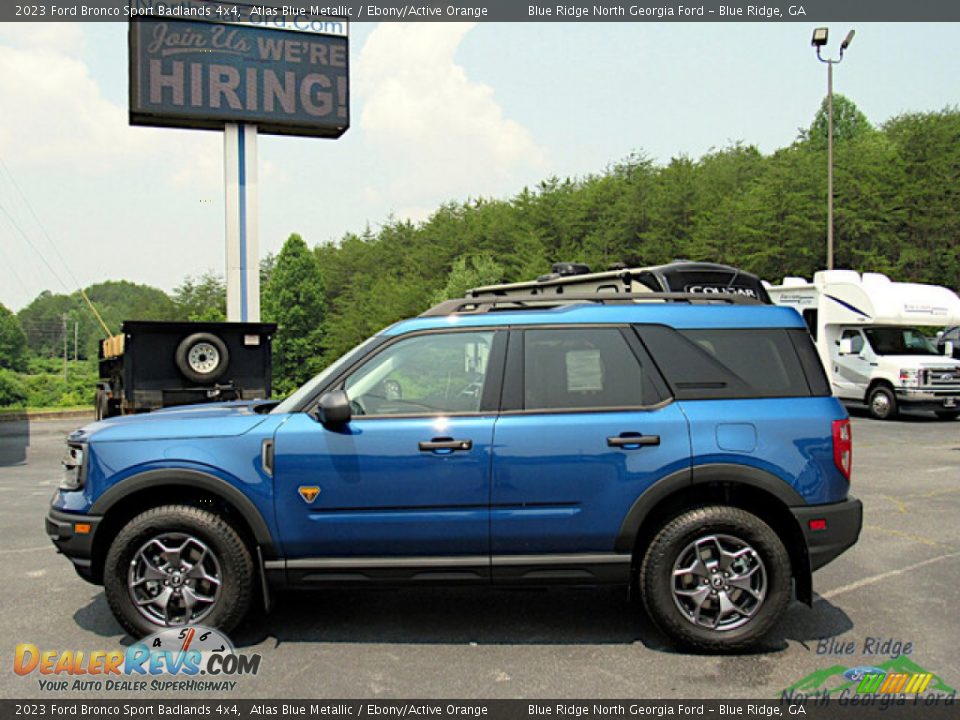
(322, 19)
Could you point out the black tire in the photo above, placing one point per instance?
(947, 414)
(882, 403)
(113, 408)
(196, 369)
(670, 546)
(233, 558)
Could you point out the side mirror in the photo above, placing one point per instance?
(846, 346)
(948, 348)
(333, 409)
(939, 334)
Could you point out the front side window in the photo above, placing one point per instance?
(580, 368)
(856, 340)
(423, 375)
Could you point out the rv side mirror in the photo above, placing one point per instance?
(939, 334)
(846, 346)
(333, 409)
(948, 348)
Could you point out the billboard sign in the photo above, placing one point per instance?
(201, 74)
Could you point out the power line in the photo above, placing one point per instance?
(43, 229)
(33, 247)
(12, 268)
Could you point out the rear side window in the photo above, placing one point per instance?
(724, 363)
(580, 368)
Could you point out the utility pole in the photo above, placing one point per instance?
(830, 166)
(818, 41)
(64, 347)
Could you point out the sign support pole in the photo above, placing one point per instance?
(242, 222)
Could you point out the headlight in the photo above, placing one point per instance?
(910, 378)
(73, 475)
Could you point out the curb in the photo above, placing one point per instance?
(45, 415)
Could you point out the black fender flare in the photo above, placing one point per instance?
(183, 477)
(718, 473)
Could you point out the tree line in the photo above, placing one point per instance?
(897, 211)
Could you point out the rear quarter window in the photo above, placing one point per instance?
(711, 363)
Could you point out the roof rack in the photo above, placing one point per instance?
(476, 305)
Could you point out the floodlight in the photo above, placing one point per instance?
(847, 40)
(819, 37)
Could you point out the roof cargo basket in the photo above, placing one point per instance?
(476, 305)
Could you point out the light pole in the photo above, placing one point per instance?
(818, 41)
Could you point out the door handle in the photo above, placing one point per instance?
(445, 444)
(633, 440)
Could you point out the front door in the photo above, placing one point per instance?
(851, 371)
(408, 476)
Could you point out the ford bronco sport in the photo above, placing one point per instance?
(682, 446)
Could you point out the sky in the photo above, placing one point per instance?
(439, 112)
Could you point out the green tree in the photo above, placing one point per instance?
(13, 393)
(294, 299)
(469, 272)
(13, 341)
(849, 123)
(116, 300)
(201, 298)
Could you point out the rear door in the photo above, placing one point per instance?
(585, 429)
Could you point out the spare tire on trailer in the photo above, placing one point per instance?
(202, 358)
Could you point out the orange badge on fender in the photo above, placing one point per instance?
(308, 493)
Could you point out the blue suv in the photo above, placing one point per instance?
(686, 448)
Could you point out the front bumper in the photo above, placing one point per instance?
(933, 399)
(841, 523)
(77, 546)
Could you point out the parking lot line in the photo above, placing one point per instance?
(883, 576)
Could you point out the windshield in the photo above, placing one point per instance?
(307, 389)
(899, 341)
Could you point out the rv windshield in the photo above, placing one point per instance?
(899, 341)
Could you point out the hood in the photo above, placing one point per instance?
(186, 421)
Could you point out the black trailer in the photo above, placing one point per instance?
(154, 364)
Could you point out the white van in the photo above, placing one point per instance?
(866, 331)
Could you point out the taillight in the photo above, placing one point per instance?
(843, 447)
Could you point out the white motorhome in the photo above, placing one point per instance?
(866, 331)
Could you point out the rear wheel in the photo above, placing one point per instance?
(882, 403)
(716, 578)
(178, 565)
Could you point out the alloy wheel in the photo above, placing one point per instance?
(719, 582)
(174, 579)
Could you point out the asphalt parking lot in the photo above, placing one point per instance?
(899, 583)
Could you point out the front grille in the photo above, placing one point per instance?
(941, 377)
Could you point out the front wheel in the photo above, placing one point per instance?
(178, 565)
(882, 403)
(716, 579)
